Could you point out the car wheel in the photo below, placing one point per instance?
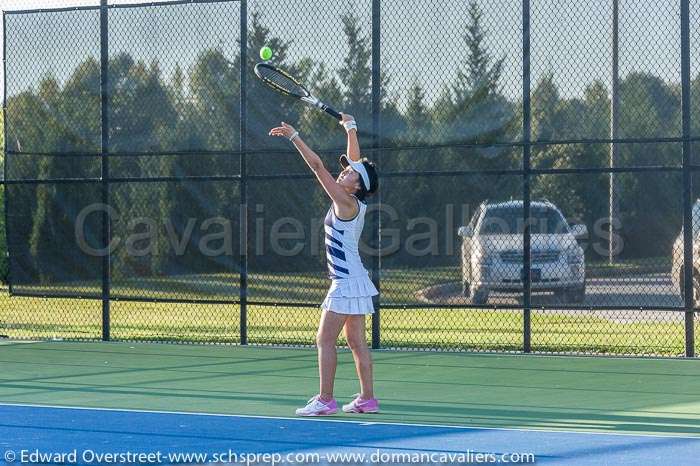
(479, 295)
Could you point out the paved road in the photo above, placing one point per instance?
(633, 291)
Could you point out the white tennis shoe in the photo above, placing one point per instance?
(317, 407)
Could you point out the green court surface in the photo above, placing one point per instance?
(623, 395)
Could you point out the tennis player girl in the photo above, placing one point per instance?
(349, 298)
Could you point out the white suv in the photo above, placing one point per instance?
(492, 252)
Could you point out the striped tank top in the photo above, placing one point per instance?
(342, 241)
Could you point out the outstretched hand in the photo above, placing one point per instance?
(284, 130)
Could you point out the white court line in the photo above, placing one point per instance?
(363, 423)
(4, 342)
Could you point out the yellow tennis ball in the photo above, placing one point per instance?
(266, 53)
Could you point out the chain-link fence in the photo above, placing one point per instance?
(536, 172)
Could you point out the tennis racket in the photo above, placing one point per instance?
(287, 85)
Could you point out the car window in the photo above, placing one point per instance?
(509, 221)
(548, 221)
(500, 221)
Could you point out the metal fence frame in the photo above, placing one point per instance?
(687, 168)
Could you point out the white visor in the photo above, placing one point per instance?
(359, 167)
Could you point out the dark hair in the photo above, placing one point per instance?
(363, 193)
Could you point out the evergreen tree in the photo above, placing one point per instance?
(142, 120)
(545, 103)
(215, 88)
(67, 119)
(265, 107)
(596, 122)
(648, 109)
(321, 131)
(356, 74)
(473, 111)
(417, 115)
(483, 73)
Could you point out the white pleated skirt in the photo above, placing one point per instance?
(350, 296)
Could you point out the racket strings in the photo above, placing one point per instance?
(282, 81)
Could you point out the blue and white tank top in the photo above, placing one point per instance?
(342, 241)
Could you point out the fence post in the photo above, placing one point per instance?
(104, 151)
(4, 149)
(687, 182)
(243, 297)
(526, 177)
(376, 141)
(613, 197)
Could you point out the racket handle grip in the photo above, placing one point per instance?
(332, 112)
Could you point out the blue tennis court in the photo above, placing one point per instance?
(94, 432)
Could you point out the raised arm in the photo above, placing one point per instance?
(345, 205)
(353, 150)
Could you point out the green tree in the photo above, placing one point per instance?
(283, 197)
(350, 88)
(215, 87)
(545, 103)
(142, 118)
(417, 115)
(483, 72)
(473, 110)
(265, 107)
(356, 73)
(319, 129)
(67, 119)
(649, 108)
(596, 122)
(25, 119)
(582, 198)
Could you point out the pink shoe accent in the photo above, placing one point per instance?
(362, 406)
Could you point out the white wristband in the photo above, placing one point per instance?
(294, 135)
(350, 125)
